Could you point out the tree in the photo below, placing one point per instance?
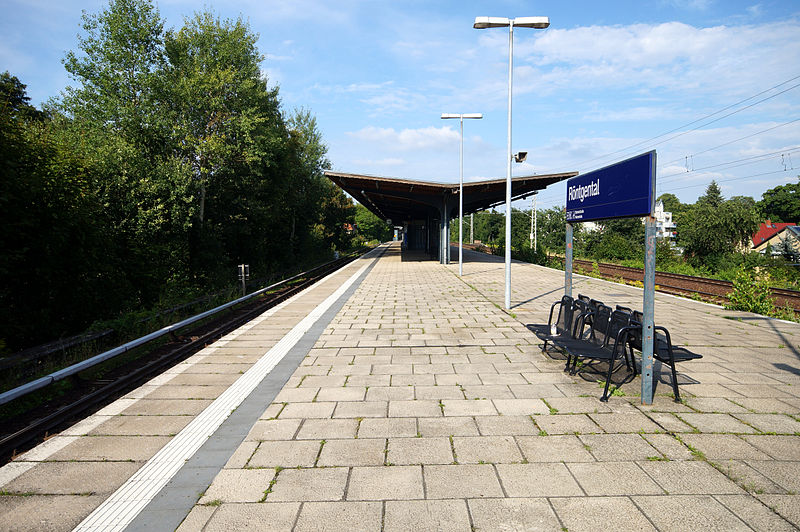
(370, 226)
(713, 195)
(122, 51)
(713, 228)
(782, 203)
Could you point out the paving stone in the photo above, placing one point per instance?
(723, 447)
(787, 506)
(778, 447)
(241, 455)
(488, 391)
(317, 484)
(462, 379)
(187, 392)
(390, 393)
(426, 451)
(616, 447)
(275, 429)
(628, 422)
(669, 446)
(613, 478)
(197, 518)
(461, 481)
(516, 407)
(142, 426)
(554, 449)
(413, 380)
(747, 477)
(45, 512)
(755, 513)
(387, 427)
(238, 485)
(567, 424)
(785, 474)
(513, 514)
(580, 514)
(307, 410)
(285, 454)
(327, 429)
(684, 512)
(385, 483)
(468, 407)
(486, 449)
(506, 425)
(360, 452)
(441, 515)
(669, 422)
(534, 391)
(688, 477)
(71, 478)
(361, 409)
(111, 448)
(447, 426)
(438, 392)
(538, 480)
(253, 516)
(716, 405)
(166, 407)
(577, 405)
(777, 423)
(348, 393)
(720, 423)
(422, 408)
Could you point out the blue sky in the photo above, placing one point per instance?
(596, 87)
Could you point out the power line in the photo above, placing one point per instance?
(644, 142)
(732, 141)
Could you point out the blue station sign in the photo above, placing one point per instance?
(622, 190)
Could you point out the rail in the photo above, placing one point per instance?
(49, 379)
(679, 284)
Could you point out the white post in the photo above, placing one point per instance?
(508, 170)
(471, 233)
(461, 200)
(533, 206)
(535, 223)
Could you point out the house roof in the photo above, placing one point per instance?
(403, 199)
(767, 230)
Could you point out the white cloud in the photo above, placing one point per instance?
(408, 139)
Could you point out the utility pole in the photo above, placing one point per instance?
(471, 234)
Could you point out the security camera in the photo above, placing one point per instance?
(521, 156)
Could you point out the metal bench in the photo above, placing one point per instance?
(663, 350)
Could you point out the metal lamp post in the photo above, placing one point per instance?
(461, 118)
(501, 22)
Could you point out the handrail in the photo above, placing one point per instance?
(42, 382)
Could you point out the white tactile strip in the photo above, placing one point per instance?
(116, 512)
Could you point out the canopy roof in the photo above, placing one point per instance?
(402, 200)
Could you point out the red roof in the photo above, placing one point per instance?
(767, 230)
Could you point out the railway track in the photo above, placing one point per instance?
(685, 285)
(87, 395)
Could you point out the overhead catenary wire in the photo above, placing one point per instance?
(701, 119)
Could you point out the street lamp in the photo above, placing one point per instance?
(461, 118)
(501, 22)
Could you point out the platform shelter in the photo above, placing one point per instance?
(424, 209)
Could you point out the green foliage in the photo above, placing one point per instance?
(751, 293)
(168, 162)
(782, 203)
(713, 227)
(370, 227)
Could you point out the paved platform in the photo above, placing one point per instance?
(411, 400)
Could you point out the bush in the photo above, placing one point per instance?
(751, 293)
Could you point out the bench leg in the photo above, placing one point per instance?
(608, 377)
(675, 383)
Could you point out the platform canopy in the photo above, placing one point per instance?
(402, 200)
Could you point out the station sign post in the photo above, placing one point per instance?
(622, 190)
